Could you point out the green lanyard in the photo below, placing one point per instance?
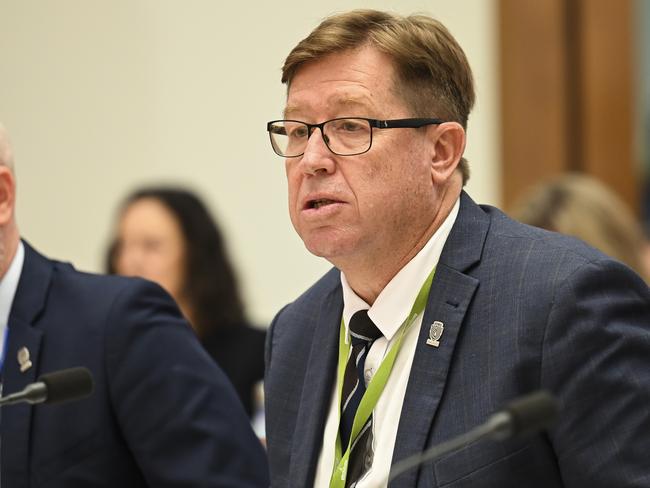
(376, 385)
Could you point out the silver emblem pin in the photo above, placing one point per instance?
(23, 359)
(435, 333)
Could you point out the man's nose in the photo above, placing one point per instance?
(317, 157)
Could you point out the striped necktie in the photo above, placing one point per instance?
(362, 333)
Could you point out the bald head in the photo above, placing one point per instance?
(6, 155)
(9, 236)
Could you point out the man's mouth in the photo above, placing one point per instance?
(321, 202)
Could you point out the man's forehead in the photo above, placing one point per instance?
(354, 79)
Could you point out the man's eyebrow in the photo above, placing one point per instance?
(356, 102)
(336, 104)
(290, 109)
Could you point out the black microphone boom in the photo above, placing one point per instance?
(523, 416)
(529, 414)
(57, 387)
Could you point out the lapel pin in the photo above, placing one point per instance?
(435, 333)
(23, 359)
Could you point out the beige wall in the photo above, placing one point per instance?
(101, 96)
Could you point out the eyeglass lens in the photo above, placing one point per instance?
(346, 136)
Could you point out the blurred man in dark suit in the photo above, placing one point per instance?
(162, 414)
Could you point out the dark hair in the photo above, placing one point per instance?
(209, 282)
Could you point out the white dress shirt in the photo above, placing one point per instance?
(389, 311)
(8, 285)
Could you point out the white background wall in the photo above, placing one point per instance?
(102, 96)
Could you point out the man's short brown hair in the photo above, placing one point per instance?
(433, 76)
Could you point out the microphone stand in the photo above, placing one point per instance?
(523, 416)
(497, 427)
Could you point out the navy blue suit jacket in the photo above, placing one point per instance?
(523, 309)
(162, 413)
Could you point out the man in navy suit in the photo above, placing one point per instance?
(162, 414)
(438, 310)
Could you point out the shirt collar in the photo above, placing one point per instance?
(9, 284)
(392, 306)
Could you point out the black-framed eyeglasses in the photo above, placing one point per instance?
(344, 136)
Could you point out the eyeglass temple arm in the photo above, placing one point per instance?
(404, 123)
(277, 129)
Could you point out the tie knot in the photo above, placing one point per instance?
(362, 328)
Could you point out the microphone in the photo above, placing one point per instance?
(57, 387)
(521, 417)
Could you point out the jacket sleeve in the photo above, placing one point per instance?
(176, 409)
(596, 358)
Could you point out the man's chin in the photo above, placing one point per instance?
(318, 250)
(324, 248)
(331, 243)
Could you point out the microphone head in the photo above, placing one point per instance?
(67, 384)
(531, 413)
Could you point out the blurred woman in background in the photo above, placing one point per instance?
(167, 235)
(582, 207)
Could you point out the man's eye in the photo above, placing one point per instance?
(351, 126)
(298, 132)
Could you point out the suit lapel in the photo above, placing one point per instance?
(16, 420)
(316, 392)
(450, 296)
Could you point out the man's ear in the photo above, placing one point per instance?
(448, 144)
(7, 195)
